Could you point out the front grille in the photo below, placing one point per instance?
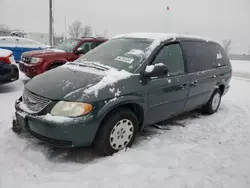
(26, 59)
(34, 102)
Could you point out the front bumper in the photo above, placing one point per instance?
(30, 70)
(8, 73)
(63, 133)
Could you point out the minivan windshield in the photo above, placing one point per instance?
(67, 45)
(122, 53)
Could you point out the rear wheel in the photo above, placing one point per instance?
(117, 132)
(213, 104)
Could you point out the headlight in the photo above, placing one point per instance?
(71, 109)
(35, 60)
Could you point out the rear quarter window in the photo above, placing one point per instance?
(218, 54)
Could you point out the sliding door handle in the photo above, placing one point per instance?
(195, 83)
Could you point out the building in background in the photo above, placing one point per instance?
(4, 30)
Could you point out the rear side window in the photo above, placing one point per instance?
(171, 56)
(197, 55)
(218, 55)
(202, 56)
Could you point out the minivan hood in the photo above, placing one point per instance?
(77, 83)
(39, 53)
(57, 83)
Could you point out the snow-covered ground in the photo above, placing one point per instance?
(241, 69)
(208, 152)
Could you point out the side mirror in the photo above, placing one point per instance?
(156, 70)
(80, 51)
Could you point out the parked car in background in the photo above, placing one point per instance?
(20, 45)
(8, 68)
(133, 80)
(36, 62)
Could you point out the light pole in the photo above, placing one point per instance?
(51, 29)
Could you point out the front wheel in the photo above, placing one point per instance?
(213, 104)
(117, 132)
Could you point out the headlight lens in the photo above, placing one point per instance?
(71, 109)
(35, 60)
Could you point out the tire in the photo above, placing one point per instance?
(15, 128)
(213, 104)
(117, 132)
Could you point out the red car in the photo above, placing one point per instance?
(8, 69)
(37, 62)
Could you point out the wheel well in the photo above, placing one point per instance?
(222, 89)
(135, 108)
(56, 64)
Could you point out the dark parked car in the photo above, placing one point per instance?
(8, 70)
(37, 62)
(105, 97)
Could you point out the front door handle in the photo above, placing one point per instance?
(195, 83)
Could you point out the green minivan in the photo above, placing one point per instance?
(108, 95)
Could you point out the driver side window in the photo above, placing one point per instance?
(87, 46)
(171, 56)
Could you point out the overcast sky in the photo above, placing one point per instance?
(218, 19)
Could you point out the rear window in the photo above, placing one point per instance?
(202, 56)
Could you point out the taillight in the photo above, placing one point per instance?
(6, 59)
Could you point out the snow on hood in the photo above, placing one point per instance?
(5, 53)
(54, 50)
(158, 38)
(112, 76)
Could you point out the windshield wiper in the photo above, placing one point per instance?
(98, 65)
(90, 65)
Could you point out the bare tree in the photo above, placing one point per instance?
(227, 45)
(87, 31)
(76, 29)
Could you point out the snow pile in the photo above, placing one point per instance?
(5, 53)
(112, 76)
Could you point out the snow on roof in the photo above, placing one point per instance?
(160, 36)
(12, 37)
(5, 53)
(157, 38)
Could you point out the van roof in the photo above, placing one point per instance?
(158, 38)
(163, 36)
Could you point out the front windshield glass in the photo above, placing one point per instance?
(67, 45)
(122, 54)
